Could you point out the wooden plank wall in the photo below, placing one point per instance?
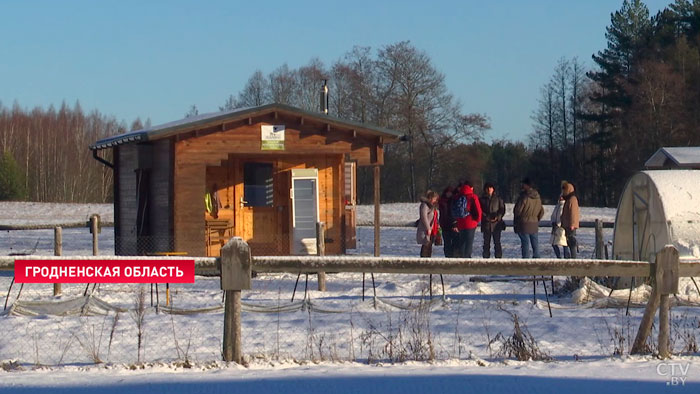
(313, 147)
(188, 199)
(212, 148)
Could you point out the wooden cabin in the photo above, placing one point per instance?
(266, 174)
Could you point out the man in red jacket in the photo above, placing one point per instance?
(470, 220)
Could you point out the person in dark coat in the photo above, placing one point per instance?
(427, 223)
(492, 223)
(467, 224)
(527, 213)
(449, 235)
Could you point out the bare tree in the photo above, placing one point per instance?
(560, 84)
(418, 92)
(230, 104)
(353, 86)
(136, 125)
(283, 85)
(309, 83)
(255, 92)
(577, 98)
(193, 111)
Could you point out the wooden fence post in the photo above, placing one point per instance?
(644, 331)
(599, 243)
(232, 326)
(665, 277)
(377, 205)
(321, 251)
(235, 269)
(95, 229)
(57, 251)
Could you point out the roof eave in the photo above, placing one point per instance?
(389, 136)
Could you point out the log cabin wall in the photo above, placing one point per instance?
(218, 151)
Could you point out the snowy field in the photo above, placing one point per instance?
(334, 341)
(402, 214)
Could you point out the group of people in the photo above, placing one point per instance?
(451, 219)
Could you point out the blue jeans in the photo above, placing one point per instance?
(466, 241)
(557, 251)
(525, 248)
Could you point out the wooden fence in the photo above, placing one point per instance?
(236, 265)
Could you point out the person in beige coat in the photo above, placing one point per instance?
(427, 229)
(570, 215)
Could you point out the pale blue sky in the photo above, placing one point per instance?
(156, 58)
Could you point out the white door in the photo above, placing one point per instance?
(304, 195)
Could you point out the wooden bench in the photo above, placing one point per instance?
(218, 231)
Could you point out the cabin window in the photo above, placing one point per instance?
(258, 187)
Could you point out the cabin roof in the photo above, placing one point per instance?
(170, 129)
(682, 157)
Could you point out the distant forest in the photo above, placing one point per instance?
(591, 126)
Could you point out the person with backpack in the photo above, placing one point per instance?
(427, 230)
(492, 223)
(527, 213)
(449, 235)
(466, 214)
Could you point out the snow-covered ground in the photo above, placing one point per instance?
(14, 213)
(631, 376)
(323, 344)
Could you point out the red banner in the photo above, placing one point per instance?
(104, 271)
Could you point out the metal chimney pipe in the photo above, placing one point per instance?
(324, 97)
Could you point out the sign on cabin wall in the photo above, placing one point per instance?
(272, 137)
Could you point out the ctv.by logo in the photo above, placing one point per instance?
(677, 373)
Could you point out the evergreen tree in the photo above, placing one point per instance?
(628, 36)
(11, 179)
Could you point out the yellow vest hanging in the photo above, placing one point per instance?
(207, 202)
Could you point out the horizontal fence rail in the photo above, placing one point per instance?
(509, 224)
(207, 266)
(408, 265)
(464, 266)
(9, 227)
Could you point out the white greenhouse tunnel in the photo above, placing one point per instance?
(658, 208)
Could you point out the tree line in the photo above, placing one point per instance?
(598, 126)
(45, 155)
(593, 126)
